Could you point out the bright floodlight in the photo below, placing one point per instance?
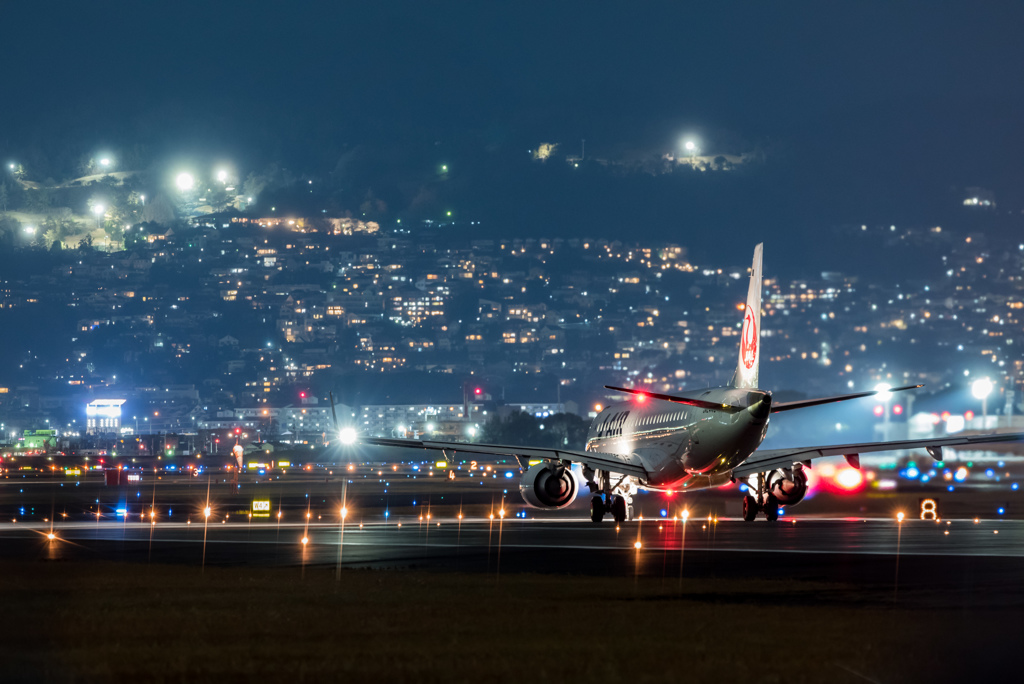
(185, 181)
(690, 146)
(981, 388)
(222, 176)
(98, 209)
(348, 435)
(883, 391)
(105, 161)
(30, 229)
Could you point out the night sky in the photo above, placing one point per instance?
(865, 112)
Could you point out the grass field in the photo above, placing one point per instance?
(96, 621)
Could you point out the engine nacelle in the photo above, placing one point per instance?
(788, 485)
(543, 486)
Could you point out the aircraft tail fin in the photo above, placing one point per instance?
(750, 339)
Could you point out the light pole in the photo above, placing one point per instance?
(884, 395)
(99, 210)
(691, 149)
(981, 388)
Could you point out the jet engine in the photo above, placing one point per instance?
(546, 486)
(788, 485)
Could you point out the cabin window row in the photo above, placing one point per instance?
(650, 420)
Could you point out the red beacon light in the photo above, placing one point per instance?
(641, 398)
(879, 410)
(897, 409)
(944, 415)
(969, 415)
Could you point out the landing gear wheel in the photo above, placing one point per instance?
(750, 508)
(597, 509)
(771, 509)
(618, 509)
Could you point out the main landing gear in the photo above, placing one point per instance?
(618, 508)
(759, 501)
(610, 497)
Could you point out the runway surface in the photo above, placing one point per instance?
(960, 557)
(397, 520)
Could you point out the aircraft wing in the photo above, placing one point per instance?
(763, 460)
(616, 463)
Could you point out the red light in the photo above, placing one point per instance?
(935, 419)
(216, 441)
(945, 415)
(897, 409)
(238, 431)
(302, 395)
(879, 410)
(641, 398)
(478, 391)
(969, 415)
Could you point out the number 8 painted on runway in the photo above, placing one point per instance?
(929, 509)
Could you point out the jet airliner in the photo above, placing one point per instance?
(693, 440)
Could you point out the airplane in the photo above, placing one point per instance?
(690, 441)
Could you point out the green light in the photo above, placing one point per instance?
(449, 213)
(444, 167)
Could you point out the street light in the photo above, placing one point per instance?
(981, 388)
(185, 181)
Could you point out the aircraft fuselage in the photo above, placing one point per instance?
(685, 447)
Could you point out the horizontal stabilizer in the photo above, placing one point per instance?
(686, 401)
(790, 405)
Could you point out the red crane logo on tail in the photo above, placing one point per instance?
(748, 343)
